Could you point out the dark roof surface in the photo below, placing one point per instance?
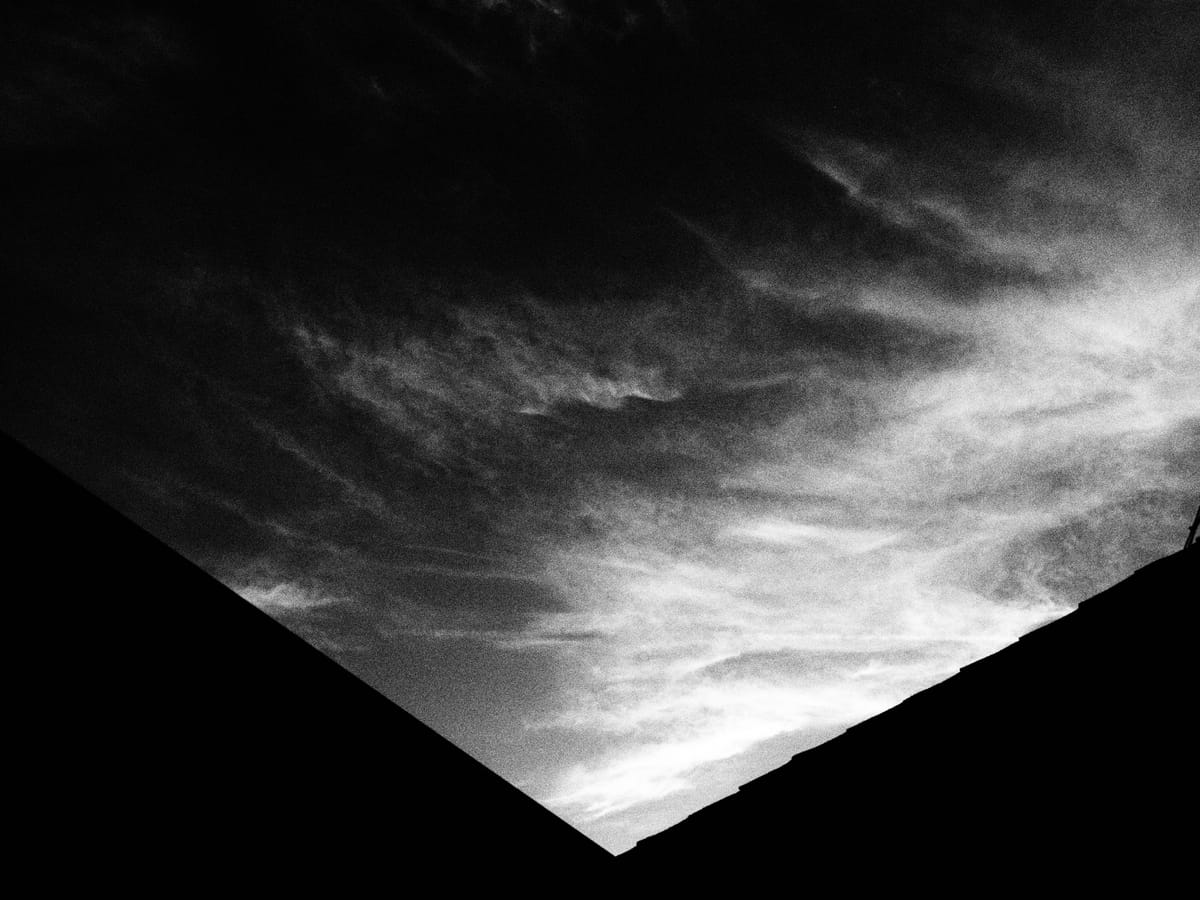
(169, 736)
(1066, 756)
(166, 735)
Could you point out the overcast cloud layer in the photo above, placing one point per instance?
(637, 393)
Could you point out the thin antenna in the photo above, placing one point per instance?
(1191, 541)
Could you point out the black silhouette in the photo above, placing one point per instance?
(170, 735)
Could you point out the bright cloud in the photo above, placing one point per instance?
(284, 597)
(1062, 407)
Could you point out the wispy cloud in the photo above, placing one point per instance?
(284, 597)
(453, 393)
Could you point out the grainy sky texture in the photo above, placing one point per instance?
(638, 393)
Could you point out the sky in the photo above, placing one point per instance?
(637, 393)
